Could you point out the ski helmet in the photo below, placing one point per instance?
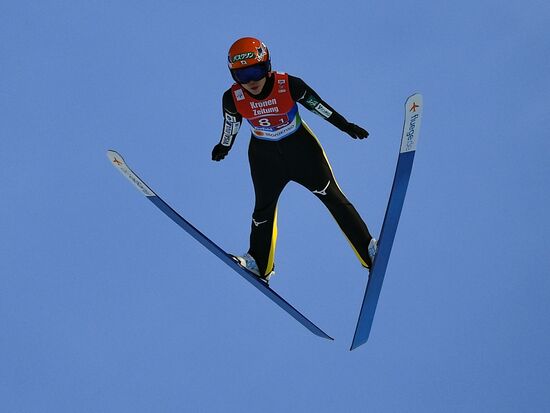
(248, 59)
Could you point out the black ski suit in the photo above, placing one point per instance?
(297, 157)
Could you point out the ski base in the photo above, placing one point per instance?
(117, 160)
(409, 140)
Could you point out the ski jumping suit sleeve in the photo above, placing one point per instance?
(283, 149)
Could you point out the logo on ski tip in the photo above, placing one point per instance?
(413, 107)
(115, 160)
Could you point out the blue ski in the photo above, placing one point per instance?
(409, 140)
(119, 163)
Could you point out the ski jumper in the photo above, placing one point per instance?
(282, 149)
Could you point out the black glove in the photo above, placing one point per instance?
(219, 152)
(356, 132)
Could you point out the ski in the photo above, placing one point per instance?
(409, 140)
(117, 160)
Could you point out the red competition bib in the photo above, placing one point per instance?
(272, 118)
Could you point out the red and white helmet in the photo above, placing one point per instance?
(245, 53)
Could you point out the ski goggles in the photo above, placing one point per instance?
(251, 73)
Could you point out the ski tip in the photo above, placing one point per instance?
(114, 156)
(116, 159)
(414, 107)
(414, 101)
(415, 95)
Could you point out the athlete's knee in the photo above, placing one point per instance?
(323, 189)
(265, 211)
(330, 194)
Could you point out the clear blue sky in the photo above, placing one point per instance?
(107, 306)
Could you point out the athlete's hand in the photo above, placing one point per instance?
(219, 152)
(356, 132)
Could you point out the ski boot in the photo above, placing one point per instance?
(372, 249)
(248, 262)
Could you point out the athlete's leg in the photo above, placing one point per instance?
(313, 171)
(269, 179)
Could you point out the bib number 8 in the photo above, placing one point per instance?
(264, 122)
